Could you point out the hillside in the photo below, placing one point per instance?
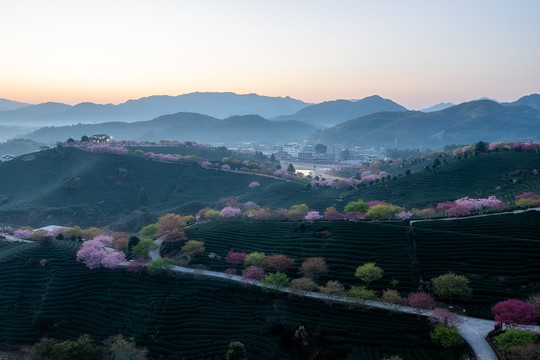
(497, 253)
(477, 176)
(66, 186)
(464, 123)
(219, 105)
(176, 316)
(330, 113)
(185, 126)
(532, 100)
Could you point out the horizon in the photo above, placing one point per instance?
(418, 54)
(278, 96)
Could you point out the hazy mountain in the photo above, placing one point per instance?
(460, 124)
(438, 107)
(6, 105)
(185, 126)
(219, 105)
(330, 113)
(532, 100)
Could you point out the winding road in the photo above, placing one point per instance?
(473, 330)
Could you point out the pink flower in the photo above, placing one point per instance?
(254, 184)
(230, 212)
(312, 216)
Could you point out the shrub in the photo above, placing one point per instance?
(451, 285)
(159, 266)
(150, 231)
(333, 288)
(446, 336)
(255, 258)
(193, 247)
(512, 337)
(236, 351)
(303, 284)
(380, 212)
(391, 296)
(527, 203)
(119, 347)
(272, 282)
(356, 206)
(361, 293)
(369, 272)
(144, 246)
(313, 267)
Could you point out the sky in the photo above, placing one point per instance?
(417, 53)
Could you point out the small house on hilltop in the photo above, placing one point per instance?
(100, 138)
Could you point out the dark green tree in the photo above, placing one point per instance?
(291, 169)
(346, 154)
(321, 148)
(236, 351)
(272, 158)
(143, 198)
(85, 138)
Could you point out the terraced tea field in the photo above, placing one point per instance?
(498, 253)
(475, 177)
(65, 185)
(187, 317)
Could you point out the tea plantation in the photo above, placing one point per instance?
(44, 292)
(68, 186)
(499, 253)
(503, 174)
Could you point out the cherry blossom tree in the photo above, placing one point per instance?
(235, 258)
(279, 263)
(253, 273)
(254, 184)
(420, 300)
(515, 312)
(230, 212)
(312, 216)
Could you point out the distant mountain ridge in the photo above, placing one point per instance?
(185, 126)
(459, 124)
(330, 113)
(7, 105)
(218, 105)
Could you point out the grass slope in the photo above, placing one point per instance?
(67, 186)
(188, 317)
(476, 177)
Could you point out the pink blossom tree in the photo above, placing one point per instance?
(254, 184)
(445, 317)
(235, 258)
(420, 301)
(225, 167)
(515, 312)
(312, 216)
(23, 234)
(404, 215)
(253, 273)
(230, 212)
(279, 263)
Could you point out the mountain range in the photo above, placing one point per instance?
(330, 113)
(372, 121)
(460, 124)
(218, 105)
(186, 126)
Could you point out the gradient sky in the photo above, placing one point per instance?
(417, 53)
